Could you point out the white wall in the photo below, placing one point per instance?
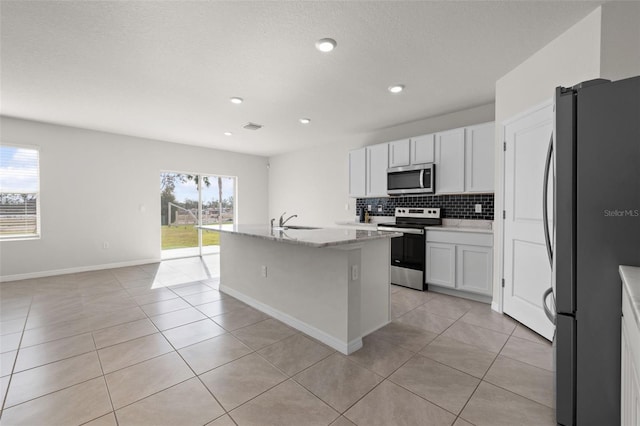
(95, 186)
(605, 44)
(572, 57)
(313, 183)
(620, 40)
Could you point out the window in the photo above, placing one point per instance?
(189, 200)
(19, 192)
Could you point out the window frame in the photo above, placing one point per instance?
(38, 234)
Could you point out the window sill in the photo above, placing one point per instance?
(17, 238)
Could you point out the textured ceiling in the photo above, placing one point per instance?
(166, 70)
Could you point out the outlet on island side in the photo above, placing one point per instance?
(105, 245)
(354, 272)
(263, 271)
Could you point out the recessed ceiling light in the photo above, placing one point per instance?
(326, 44)
(305, 120)
(236, 100)
(228, 133)
(396, 88)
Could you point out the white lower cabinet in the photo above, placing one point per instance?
(460, 260)
(441, 264)
(474, 266)
(630, 371)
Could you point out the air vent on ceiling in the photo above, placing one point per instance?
(252, 126)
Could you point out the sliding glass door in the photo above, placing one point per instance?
(189, 200)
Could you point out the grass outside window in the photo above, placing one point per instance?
(181, 236)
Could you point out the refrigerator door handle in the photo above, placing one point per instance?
(550, 315)
(545, 217)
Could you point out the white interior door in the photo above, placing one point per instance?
(527, 272)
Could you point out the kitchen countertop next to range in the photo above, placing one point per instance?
(631, 286)
(319, 237)
(452, 225)
(459, 229)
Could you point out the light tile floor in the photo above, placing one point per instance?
(160, 345)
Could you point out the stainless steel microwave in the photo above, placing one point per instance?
(419, 179)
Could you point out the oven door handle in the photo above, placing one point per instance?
(403, 230)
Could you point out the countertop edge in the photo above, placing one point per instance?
(428, 228)
(630, 276)
(327, 244)
(459, 229)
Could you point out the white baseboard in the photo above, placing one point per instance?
(41, 274)
(463, 294)
(337, 344)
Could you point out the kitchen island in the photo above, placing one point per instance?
(332, 284)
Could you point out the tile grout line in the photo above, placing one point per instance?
(15, 361)
(288, 377)
(440, 334)
(485, 374)
(49, 393)
(104, 379)
(174, 350)
(190, 368)
(507, 390)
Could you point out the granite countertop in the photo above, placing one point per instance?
(631, 285)
(319, 237)
(371, 225)
(453, 225)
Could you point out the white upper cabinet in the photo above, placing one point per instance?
(377, 164)
(479, 158)
(449, 155)
(399, 153)
(464, 160)
(422, 149)
(357, 172)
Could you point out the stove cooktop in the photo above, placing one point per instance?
(415, 217)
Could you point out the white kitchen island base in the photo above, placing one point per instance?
(335, 293)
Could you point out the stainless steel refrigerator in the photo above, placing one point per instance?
(594, 161)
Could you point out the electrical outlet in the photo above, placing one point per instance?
(379, 208)
(346, 207)
(263, 271)
(478, 208)
(105, 245)
(369, 207)
(354, 272)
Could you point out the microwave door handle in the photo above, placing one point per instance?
(422, 178)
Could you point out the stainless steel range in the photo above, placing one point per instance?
(408, 252)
